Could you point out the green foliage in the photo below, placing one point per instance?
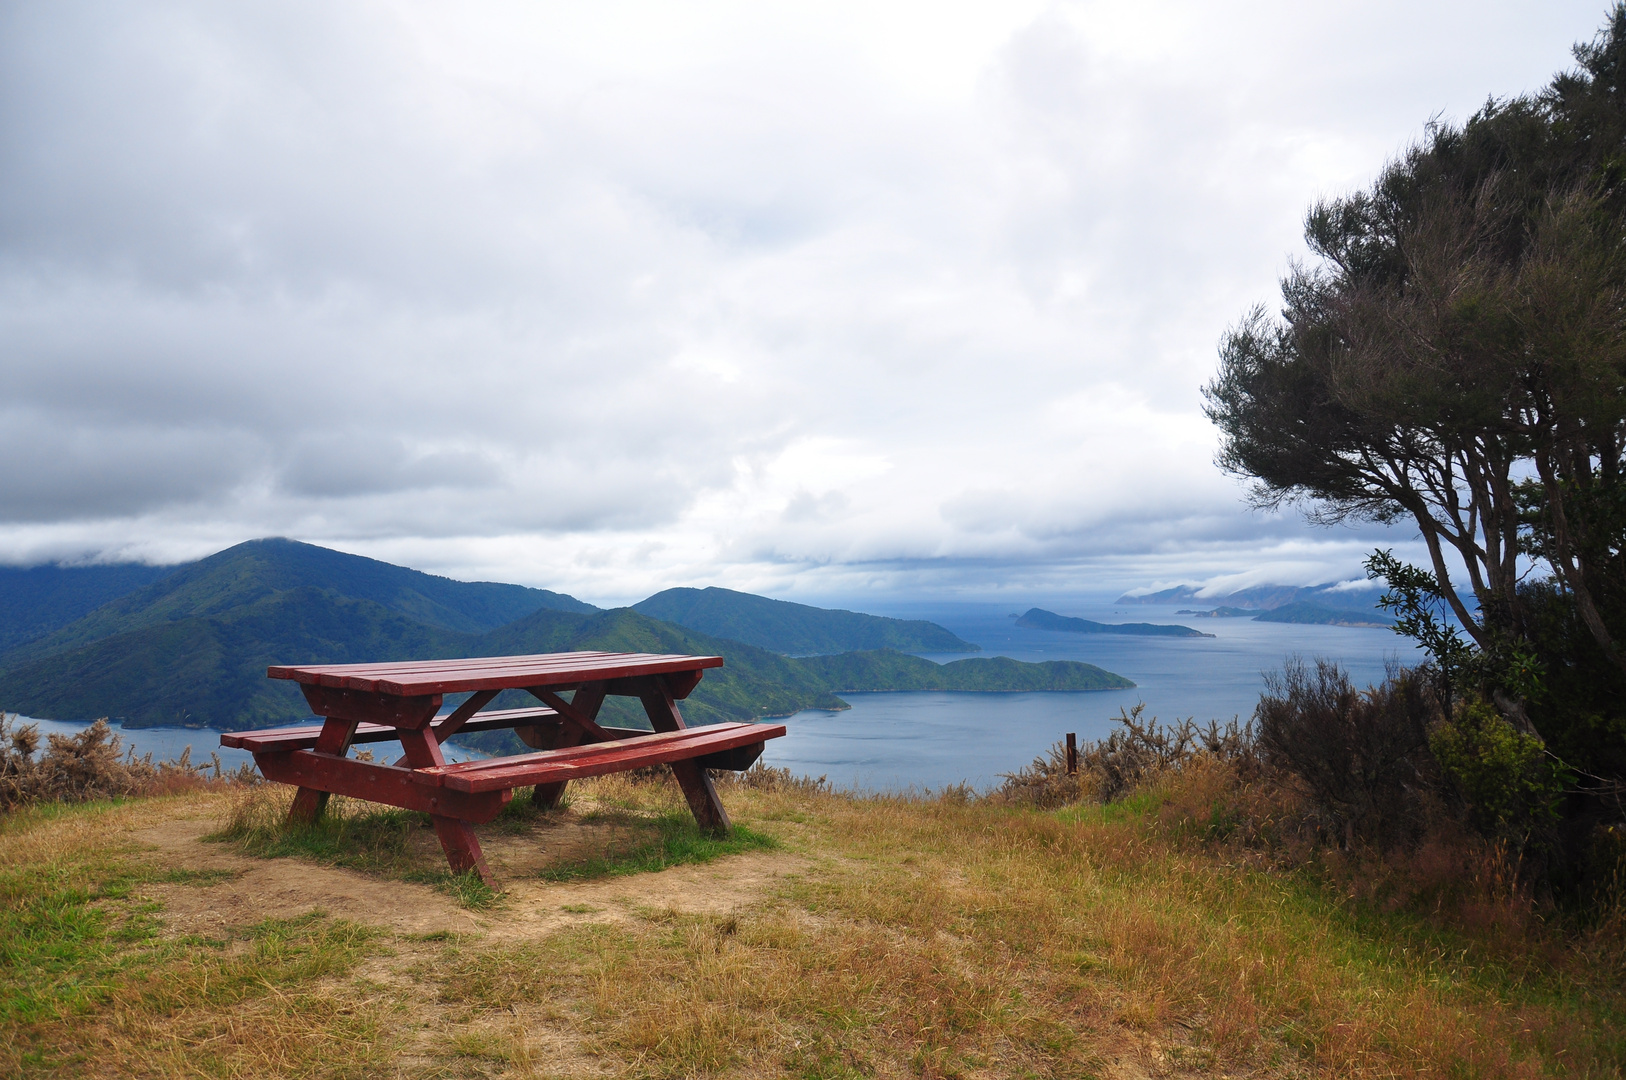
(1509, 782)
(1419, 605)
(1456, 355)
(1458, 665)
(794, 629)
(887, 670)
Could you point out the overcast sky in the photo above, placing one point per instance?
(813, 300)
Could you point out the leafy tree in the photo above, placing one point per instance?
(1454, 355)
(1457, 356)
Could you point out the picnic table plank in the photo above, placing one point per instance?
(424, 677)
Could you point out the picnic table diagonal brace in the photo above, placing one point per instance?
(581, 721)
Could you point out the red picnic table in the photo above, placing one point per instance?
(362, 703)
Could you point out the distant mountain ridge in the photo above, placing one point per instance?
(1040, 619)
(1264, 597)
(256, 571)
(795, 629)
(191, 648)
(1311, 614)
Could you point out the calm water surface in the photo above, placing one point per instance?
(892, 742)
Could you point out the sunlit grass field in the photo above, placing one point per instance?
(886, 937)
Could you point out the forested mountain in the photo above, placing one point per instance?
(795, 629)
(40, 599)
(1040, 619)
(885, 669)
(191, 649)
(230, 582)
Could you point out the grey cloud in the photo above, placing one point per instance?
(640, 297)
(57, 470)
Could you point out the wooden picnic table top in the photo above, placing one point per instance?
(411, 678)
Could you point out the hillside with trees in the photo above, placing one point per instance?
(191, 648)
(795, 629)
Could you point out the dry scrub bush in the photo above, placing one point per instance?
(1135, 755)
(1362, 757)
(760, 777)
(90, 765)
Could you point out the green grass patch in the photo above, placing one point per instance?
(71, 928)
(671, 839)
(76, 934)
(1132, 808)
(373, 841)
(376, 841)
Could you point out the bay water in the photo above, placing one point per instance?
(899, 741)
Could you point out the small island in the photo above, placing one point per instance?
(1310, 614)
(1040, 619)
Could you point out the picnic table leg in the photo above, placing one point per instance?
(335, 738)
(588, 699)
(691, 777)
(457, 837)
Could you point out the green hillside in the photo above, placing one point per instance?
(40, 599)
(889, 670)
(795, 629)
(210, 671)
(252, 572)
(1040, 619)
(192, 649)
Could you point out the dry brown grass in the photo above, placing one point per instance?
(921, 938)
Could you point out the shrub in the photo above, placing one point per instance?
(88, 765)
(1362, 757)
(1137, 752)
(1509, 784)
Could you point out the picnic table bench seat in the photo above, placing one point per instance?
(595, 759)
(719, 749)
(273, 740)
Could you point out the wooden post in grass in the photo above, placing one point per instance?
(1072, 753)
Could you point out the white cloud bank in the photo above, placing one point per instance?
(809, 299)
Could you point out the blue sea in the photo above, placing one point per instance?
(902, 741)
(891, 742)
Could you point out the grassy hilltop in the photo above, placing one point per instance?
(836, 936)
